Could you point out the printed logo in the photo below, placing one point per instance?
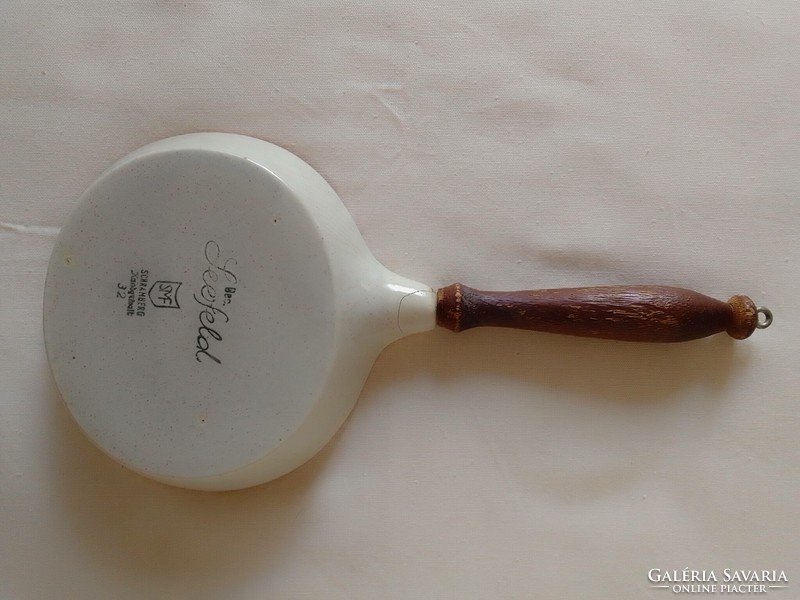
(164, 294)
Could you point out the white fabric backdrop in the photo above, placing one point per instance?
(505, 145)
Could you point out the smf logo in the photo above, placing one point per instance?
(164, 294)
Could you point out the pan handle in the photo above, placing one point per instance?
(639, 313)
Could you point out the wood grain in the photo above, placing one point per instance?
(642, 313)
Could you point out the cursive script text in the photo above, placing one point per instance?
(211, 315)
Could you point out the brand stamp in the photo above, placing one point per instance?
(217, 288)
(164, 294)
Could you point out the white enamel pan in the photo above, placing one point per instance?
(211, 311)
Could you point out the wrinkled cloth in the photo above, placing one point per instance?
(505, 145)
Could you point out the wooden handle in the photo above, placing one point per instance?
(643, 313)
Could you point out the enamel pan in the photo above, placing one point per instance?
(211, 311)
